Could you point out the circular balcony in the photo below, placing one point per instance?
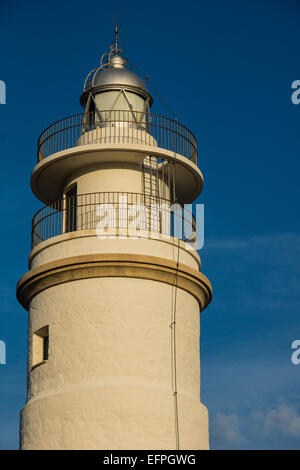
(114, 214)
(113, 137)
(117, 127)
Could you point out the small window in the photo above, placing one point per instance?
(40, 346)
(45, 348)
(71, 209)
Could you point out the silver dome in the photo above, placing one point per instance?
(113, 74)
(116, 76)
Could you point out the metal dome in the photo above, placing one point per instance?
(116, 76)
(113, 73)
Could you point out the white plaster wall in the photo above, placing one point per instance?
(107, 177)
(86, 242)
(107, 383)
(110, 177)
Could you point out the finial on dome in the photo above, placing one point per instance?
(114, 48)
(115, 60)
(116, 37)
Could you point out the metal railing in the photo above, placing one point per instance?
(113, 126)
(122, 212)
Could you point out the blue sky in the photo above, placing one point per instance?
(225, 68)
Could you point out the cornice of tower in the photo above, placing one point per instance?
(114, 265)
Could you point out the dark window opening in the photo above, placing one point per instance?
(45, 348)
(40, 346)
(71, 209)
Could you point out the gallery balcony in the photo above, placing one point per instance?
(117, 127)
(114, 214)
(116, 137)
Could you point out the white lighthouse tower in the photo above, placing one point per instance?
(114, 288)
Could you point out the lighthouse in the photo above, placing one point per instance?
(114, 289)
